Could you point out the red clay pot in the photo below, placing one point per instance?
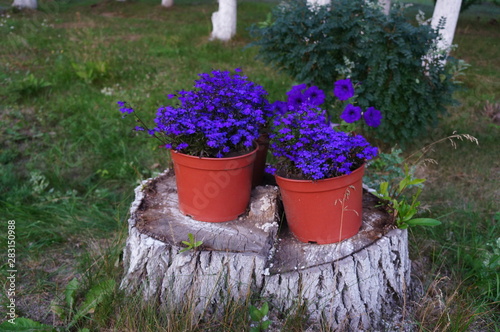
(323, 211)
(213, 189)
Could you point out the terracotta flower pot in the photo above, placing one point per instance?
(213, 189)
(323, 211)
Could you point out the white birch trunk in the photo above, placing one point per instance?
(359, 284)
(318, 2)
(446, 11)
(167, 3)
(224, 20)
(31, 4)
(386, 6)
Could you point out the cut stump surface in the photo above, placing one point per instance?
(356, 284)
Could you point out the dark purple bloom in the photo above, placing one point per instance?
(296, 89)
(314, 96)
(343, 89)
(279, 107)
(372, 117)
(296, 99)
(351, 113)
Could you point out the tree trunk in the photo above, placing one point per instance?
(167, 3)
(386, 6)
(31, 4)
(318, 2)
(446, 13)
(359, 284)
(224, 21)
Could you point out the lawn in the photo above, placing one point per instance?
(69, 162)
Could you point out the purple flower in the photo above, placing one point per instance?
(343, 89)
(372, 117)
(221, 114)
(123, 108)
(351, 113)
(305, 146)
(296, 99)
(314, 96)
(279, 107)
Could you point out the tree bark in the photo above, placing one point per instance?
(318, 2)
(446, 12)
(224, 21)
(31, 4)
(167, 3)
(386, 6)
(355, 285)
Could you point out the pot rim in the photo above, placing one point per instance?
(320, 185)
(215, 159)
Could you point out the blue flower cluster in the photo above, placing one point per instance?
(220, 116)
(304, 142)
(306, 146)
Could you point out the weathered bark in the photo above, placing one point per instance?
(356, 284)
(31, 4)
(224, 20)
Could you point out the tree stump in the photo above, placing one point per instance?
(357, 284)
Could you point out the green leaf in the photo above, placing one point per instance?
(95, 296)
(264, 309)
(58, 310)
(255, 314)
(69, 292)
(416, 181)
(265, 324)
(423, 222)
(25, 324)
(383, 188)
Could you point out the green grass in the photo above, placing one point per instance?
(69, 162)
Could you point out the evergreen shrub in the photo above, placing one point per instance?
(388, 55)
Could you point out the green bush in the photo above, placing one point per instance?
(387, 54)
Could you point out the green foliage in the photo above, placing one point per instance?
(401, 207)
(191, 244)
(385, 168)
(259, 318)
(387, 54)
(68, 313)
(72, 315)
(26, 86)
(90, 71)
